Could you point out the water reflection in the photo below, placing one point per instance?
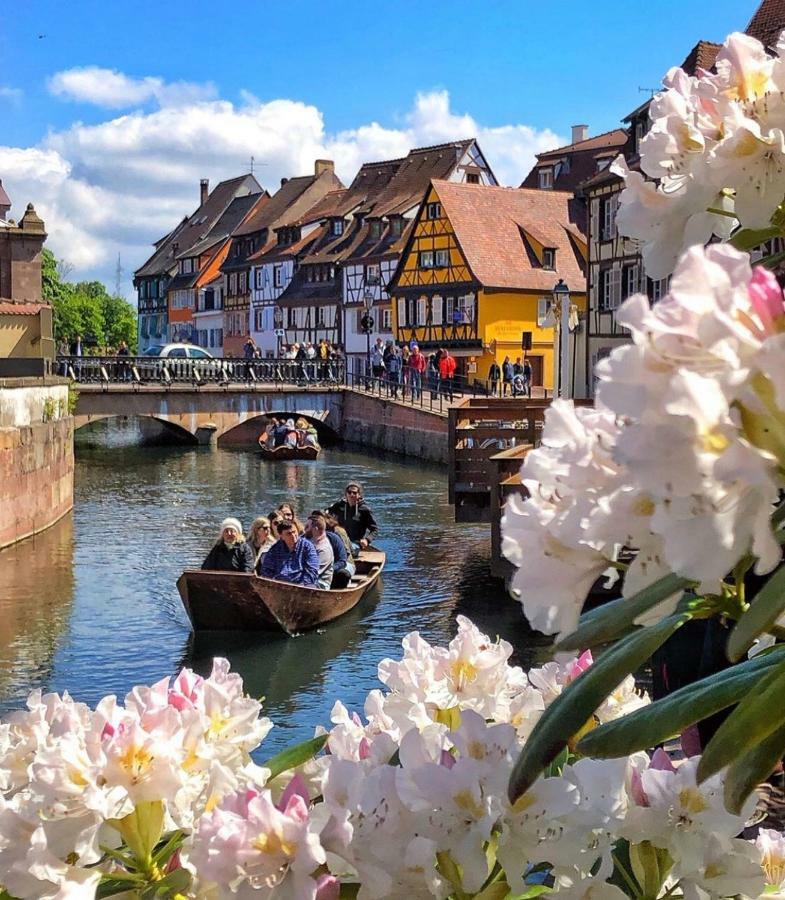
(143, 514)
(36, 592)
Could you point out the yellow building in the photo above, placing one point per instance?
(477, 273)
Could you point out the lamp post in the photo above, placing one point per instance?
(367, 326)
(278, 325)
(561, 334)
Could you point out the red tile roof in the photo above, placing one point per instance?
(10, 308)
(702, 56)
(768, 22)
(582, 156)
(489, 224)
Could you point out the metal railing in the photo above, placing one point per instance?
(146, 370)
(425, 390)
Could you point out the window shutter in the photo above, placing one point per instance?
(614, 210)
(635, 279)
(402, 313)
(437, 310)
(595, 218)
(615, 277)
(422, 311)
(542, 311)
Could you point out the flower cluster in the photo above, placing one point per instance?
(411, 802)
(681, 458)
(716, 149)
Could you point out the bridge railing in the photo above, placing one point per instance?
(139, 370)
(428, 391)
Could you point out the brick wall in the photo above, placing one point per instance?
(387, 425)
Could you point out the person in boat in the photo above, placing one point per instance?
(291, 558)
(279, 433)
(343, 566)
(355, 516)
(316, 532)
(230, 553)
(260, 539)
(291, 434)
(287, 513)
(309, 437)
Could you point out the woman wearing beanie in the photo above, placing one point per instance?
(230, 553)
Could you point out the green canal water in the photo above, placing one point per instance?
(90, 606)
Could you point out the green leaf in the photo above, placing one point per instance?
(498, 891)
(609, 620)
(109, 886)
(534, 891)
(751, 769)
(767, 606)
(570, 711)
(295, 756)
(653, 724)
(750, 238)
(167, 848)
(753, 720)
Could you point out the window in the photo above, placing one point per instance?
(426, 259)
(658, 289)
(543, 308)
(640, 133)
(376, 229)
(434, 211)
(546, 179)
(233, 283)
(396, 225)
(198, 354)
(472, 178)
(449, 309)
(466, 306)
(441, 259)
(320, 320)
(278, 276)
(386, 320)
(178, 352)
(631, 280)
(291, 318)
(437, 309)
(548, 258)
(422, 310)
(609, 207)
(257, 278)
(610, 288)
(337, 227)
(258, 320)
(372, 274)
(243, 282)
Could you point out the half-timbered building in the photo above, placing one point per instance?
(477, 273)
(201, 262)
(254, 237)
(152, 278)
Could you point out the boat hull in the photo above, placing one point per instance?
(239, 601)
(283, 453)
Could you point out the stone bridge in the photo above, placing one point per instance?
(232, 414)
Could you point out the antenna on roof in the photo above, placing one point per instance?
(255, 163)
(118, 278)
(650, 91)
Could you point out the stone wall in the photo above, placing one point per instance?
(36, 456)
(386, 425)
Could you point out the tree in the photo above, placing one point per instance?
(86, 308)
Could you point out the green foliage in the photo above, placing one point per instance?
(294, 756)
(87, 309)
(766, 608)
(49, 410)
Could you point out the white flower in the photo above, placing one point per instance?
(771, 845)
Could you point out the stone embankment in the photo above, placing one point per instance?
(36, 456)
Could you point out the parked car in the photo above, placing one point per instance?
(177, 351)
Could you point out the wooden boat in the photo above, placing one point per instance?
(283, 452)
(240, 601)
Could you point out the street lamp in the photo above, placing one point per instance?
(278, 326)
(561, 335)
(367, 326)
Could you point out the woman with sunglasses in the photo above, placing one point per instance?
(260, 539)
(355, 517)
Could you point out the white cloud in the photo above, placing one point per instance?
(11, 94)
(119, 185)
(114, 90)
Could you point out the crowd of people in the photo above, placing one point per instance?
(407, 369)
(511, 378)
(320, 553)
(288, 433)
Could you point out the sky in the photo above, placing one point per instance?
(111, 111)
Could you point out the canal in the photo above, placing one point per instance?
(90, 606)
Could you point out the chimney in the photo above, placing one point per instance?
(204, 190)
(323, 165)
(579, 133)
(283, 181)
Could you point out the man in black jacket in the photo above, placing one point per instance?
(355, 516)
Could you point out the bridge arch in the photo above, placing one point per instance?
(179, 432)
(248, 431)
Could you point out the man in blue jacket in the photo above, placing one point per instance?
(291, 558)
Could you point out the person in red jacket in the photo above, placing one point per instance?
(417, 364)
(446, 373)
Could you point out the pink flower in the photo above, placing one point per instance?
(766, 298)
(579, 665)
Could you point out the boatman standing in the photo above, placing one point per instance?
(355, 517)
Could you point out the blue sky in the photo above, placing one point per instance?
(520, 72)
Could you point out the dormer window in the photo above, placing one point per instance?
(396, 225)
(376, 229)
(337, 227)
(472, 178)
(434, 211)
(549, 258)
(546, 179)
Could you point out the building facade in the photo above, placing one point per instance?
(477, 273)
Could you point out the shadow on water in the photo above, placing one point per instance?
(278, 667)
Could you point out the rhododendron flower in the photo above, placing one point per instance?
(771, 845)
